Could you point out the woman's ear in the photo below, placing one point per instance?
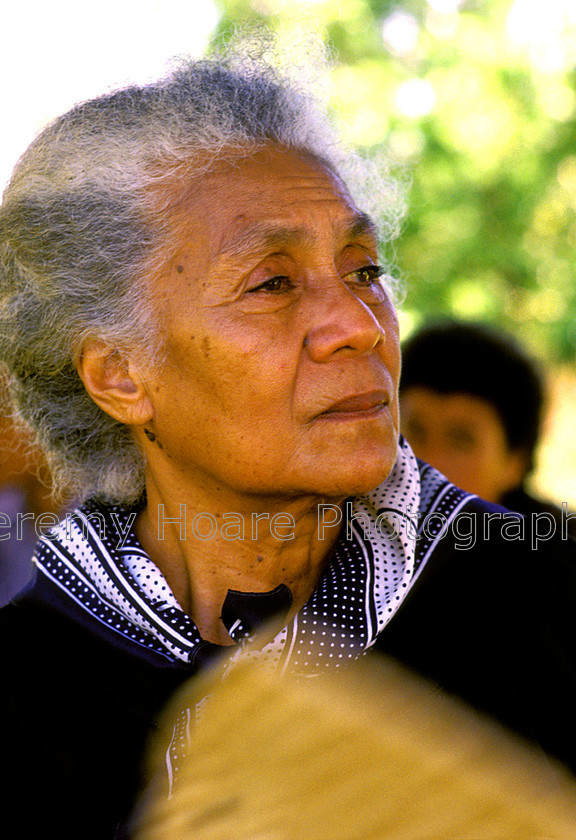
(114, 382)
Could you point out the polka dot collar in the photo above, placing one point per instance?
(95, 559)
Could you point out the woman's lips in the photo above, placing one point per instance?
(357, 405)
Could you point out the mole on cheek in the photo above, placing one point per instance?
(179, 269)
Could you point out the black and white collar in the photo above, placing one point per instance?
(94, 559)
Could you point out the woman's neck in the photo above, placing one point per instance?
(245, 544)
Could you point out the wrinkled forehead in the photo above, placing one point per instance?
(274, 197)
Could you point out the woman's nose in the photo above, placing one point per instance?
(341, 324)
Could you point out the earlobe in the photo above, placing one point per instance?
(114, 383)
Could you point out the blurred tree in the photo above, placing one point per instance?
(477, 99)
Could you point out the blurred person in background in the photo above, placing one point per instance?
(472, 405)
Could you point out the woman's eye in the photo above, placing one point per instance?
(274, 284)
(367, 275)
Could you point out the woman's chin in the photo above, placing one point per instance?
(357, 477)
(360, 462)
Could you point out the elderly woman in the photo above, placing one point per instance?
(196, 326)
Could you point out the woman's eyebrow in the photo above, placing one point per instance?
(361, 225)
(275, 236)
(263, 236)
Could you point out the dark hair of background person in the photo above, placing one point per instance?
(450, 357)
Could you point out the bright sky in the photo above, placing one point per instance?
(58, 52)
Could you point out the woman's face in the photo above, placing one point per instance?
(282, 355)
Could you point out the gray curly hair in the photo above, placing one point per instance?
(85, 220)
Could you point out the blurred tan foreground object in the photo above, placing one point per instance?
(369, 755)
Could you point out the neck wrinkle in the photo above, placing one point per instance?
(200, 572)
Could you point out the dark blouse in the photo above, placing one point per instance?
(493, 623)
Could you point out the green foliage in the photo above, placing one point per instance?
(479, 105)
